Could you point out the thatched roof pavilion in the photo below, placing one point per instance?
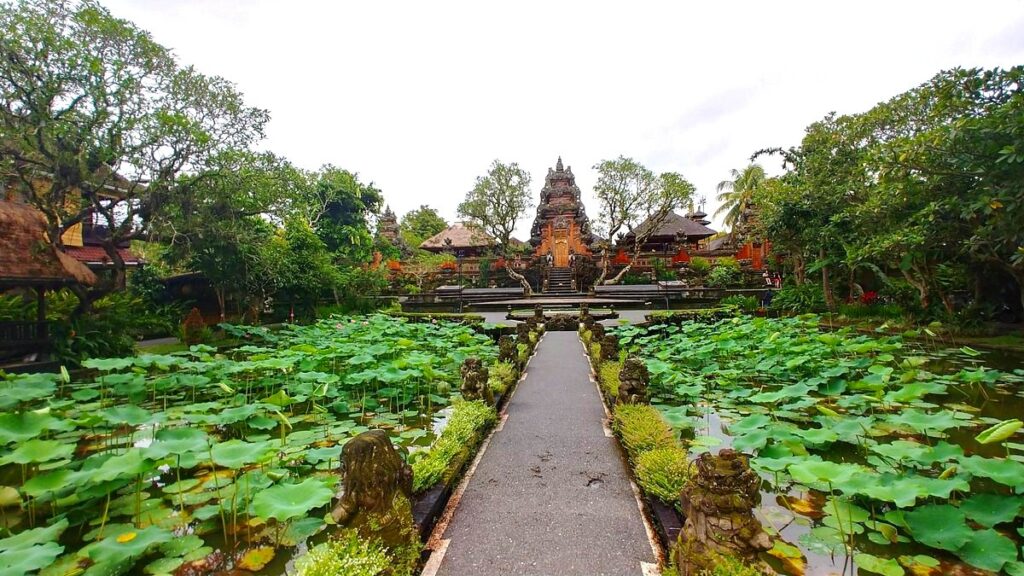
(466, 239)
(27, 259)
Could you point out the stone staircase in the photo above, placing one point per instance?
(560, 282)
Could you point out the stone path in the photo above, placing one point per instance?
(551, 494)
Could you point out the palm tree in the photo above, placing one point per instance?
(735, 195)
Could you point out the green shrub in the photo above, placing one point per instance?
(347, 554)
(641, 429)
(586, 336)
(524, 353)
(729, 566)
(457, 444)
(502, 376)
(663, 472)
(807, 297)
(700, 265)
(886, 311)
(743, 303)
(608, 377)
(595, 353)
(722, 276)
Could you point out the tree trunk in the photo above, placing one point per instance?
(604, 268)
(618, 277)
(922, 288)
(826, 283)
(527, 289)
(220, 302)
(799, 270)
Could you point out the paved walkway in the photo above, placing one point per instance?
(551, 495)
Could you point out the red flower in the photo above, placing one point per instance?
(869, 298)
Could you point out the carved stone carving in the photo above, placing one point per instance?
(633, 380)
(474, 381)
(507, 351)
(610, 347)
(375, 476)
(718, 503)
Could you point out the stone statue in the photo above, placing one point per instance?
(633, 380)
(507, 351)
(718, 504)
(597, 332)
(377, 486)
(474, 381)
(610, 348)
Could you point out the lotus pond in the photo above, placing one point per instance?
(203, 462)
(879, 454)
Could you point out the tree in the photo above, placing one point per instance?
(735, 195)
(498, 201)
(630, 196)
(339, 208)
(97, 119)
(419, 224)
(223, 226)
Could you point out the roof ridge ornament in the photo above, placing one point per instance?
(558, 165)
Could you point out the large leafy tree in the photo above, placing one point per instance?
(498, 201)
(629, 194)
(340, 208)
(98, 120)
(224, 227)
(735, 195)
(419, 224)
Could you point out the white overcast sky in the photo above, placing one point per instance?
(419, 97)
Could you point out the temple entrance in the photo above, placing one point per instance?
(561, 255)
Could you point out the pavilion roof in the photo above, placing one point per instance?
(462, 236)
(673, 224)
(27, 258)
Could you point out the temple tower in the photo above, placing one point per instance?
(561, 227)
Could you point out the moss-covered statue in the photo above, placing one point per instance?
(474, 381)
(633, 380)
(718, 503)
(610, 348)
(597, 332)
(507, 351)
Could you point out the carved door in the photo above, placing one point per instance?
(561, 248)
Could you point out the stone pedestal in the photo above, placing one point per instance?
(718, 504)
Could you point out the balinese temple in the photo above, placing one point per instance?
(561, 227)
(460, 239)
(387, 229)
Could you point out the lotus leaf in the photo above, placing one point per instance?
(163, 566)
(876, 565)
(939, 526)
(813, 473)
(238, 453)
(181, 545)
(988, 550)
(177, 441)
(108, 364)
(129, 464)
(127, 545)
(22, 426)
(29, 559)
(991, 509)
(1006, 472)
(299, 530)
(286, 501)
(36, 450)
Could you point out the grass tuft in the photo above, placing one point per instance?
(457, 444)
(641, 429)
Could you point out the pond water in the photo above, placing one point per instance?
(202, 463)
(853, 435)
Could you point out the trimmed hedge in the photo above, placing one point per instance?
(458, 443)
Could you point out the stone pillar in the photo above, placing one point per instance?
(633, 381)
(474, 381)
(377, 486)
(718, 504)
